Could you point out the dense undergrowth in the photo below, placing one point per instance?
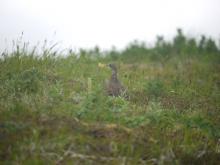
(48, 115)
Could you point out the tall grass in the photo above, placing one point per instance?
(53, 109)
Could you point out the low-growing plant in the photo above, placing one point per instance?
(116, 104)
(154, 88)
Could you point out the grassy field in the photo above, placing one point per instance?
(50, 114)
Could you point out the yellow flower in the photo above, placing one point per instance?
(101, 65)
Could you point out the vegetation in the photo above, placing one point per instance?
(53, 109)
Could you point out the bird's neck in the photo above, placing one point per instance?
(114, 75)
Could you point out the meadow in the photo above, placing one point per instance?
(54, 109)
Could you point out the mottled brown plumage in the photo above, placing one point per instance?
(114, 86)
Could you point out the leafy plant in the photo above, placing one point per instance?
(117, 104)
(154, 88)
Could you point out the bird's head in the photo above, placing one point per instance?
(113, 67)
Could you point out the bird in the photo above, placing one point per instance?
(113, 85)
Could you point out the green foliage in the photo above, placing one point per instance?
(27, 81)
(134, 51)
(117, 104)
(154, 88)
(179, 42)
(88, 105)
(181, 45)
(54, 110)
(211, 46)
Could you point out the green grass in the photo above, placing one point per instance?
(48, 116)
